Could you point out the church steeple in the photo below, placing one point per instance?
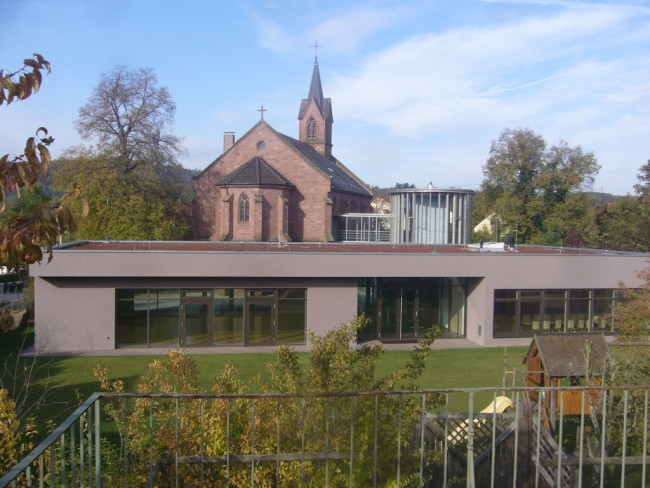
(315, 88)
(315, 116)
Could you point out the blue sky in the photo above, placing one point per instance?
(419, 88)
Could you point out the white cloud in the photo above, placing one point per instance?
(272, 36)
(345, 30)
(582, 75)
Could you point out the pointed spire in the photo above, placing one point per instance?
(316, 89)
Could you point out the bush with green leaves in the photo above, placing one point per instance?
(336, 427)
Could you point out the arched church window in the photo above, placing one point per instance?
(244, 208)
(261, 145)
(311, 129)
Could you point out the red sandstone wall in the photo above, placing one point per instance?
(307, 207)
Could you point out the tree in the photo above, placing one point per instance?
(125, 206)
(130, 117)
(571, 223)
(632, 312)
(524, 181)
(23, 237)
(625, 224)
(643, 187)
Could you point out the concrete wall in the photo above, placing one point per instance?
(73, 315)
(79, 314)
(75, 291)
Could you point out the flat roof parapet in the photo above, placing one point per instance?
(318, 247)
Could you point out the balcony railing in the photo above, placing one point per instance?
(594, 436)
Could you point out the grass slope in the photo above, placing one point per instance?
(71, 378)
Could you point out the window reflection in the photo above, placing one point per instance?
(528, 312)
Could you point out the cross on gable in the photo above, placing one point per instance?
(262, 110)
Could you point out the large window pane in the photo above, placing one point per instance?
(602, 318)
(131, 318)
(505, 318)
(578, 315)
(553, 311)
(291, 320)
(530, 316)
(164, 322)
(429, 313)
(229, 316)
(367, 305)
(553, 315)
(389, 313)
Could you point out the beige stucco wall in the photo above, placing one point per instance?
(75, 298)
(72, 316)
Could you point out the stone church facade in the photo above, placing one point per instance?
(268, 186)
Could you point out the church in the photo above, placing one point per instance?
(268, 186)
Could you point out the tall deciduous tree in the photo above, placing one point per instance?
(625, 224)
(525, 182)
(131, 116)
(643, 187)
(125, 206)
(23, 236)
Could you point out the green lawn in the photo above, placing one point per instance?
(71, 377)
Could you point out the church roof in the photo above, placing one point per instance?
(255, 172)
(342, 179)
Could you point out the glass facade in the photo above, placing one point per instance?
(403, 308)
(221, 316)
(528, 312)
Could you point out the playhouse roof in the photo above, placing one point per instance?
(570, 354)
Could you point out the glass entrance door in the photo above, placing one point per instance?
(398, 313)
(389, 305)
(409, 313)
(260, 320)
(196, 322)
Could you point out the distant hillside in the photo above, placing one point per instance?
(597, 198)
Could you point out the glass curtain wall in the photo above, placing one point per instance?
(529, 312)
(403, 308)
(222, 316)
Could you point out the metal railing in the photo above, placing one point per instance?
(405, 438)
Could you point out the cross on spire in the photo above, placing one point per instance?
(316, 46)
(262, 110)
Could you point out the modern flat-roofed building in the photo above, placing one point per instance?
(107, 295)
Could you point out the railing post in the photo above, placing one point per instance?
(560, 435)
(446, 440)
(399, 442)
(375, 452)
(494, 434)
(73, 468)
(82, 452)
(470, 442)
(624, 453)
(62, 455)
(98, 457)
(352, 401)
(517, 422)
(422, 421)
(645, 438)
